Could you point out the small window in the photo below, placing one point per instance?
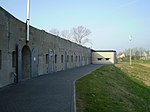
(46, 58)
(13, 59)
(79, 58)
(67, 58)
(62, 58)
(76, 58)
(72, 58)
(55, 58)
(107, 59)
(0, 59)
(99, 59)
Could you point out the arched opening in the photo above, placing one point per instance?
(26, 62)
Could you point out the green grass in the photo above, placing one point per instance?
(137, 72)
(113, 89)
(136, 61)
(141, 61)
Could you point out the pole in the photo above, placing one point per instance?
(130, 38)
(28, 19)
(130, 56)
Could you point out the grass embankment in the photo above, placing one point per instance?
(115, 89)
(143, 62)
(137, 61)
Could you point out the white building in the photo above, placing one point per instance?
(104, 57)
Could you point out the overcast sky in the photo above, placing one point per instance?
(110, 21)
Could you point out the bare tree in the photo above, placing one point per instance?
(80, 34)
(137, 52)
(77, 34)
(66, 34)
(55, 32)
(141, 51)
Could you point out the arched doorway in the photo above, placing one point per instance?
(26, 62)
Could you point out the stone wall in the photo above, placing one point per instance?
(44, 53)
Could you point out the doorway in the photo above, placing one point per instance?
(26, 62)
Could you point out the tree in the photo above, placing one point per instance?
(137, 52)
(66, 34)
(77, 34)
(55, 32)
(141, 51)
(80, 34)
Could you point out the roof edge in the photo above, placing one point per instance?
(103, 51)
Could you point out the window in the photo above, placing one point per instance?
(67, 58)
(14, 59)
(0, 59)
(62, 58)
(107, 59)
(99, 59)
(55, 58)
(46, 58)
(72, 58)
(76, 58)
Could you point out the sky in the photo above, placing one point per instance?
(110, 21)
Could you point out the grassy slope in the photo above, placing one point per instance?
(138, 72)
(109, 89)
(137, 61)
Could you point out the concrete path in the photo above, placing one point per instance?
(47, 93)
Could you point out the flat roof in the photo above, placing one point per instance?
(103, 51)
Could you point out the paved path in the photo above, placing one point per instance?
(47, 93)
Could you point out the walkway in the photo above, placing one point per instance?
(47, 93)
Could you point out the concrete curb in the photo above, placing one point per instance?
(74, 87)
